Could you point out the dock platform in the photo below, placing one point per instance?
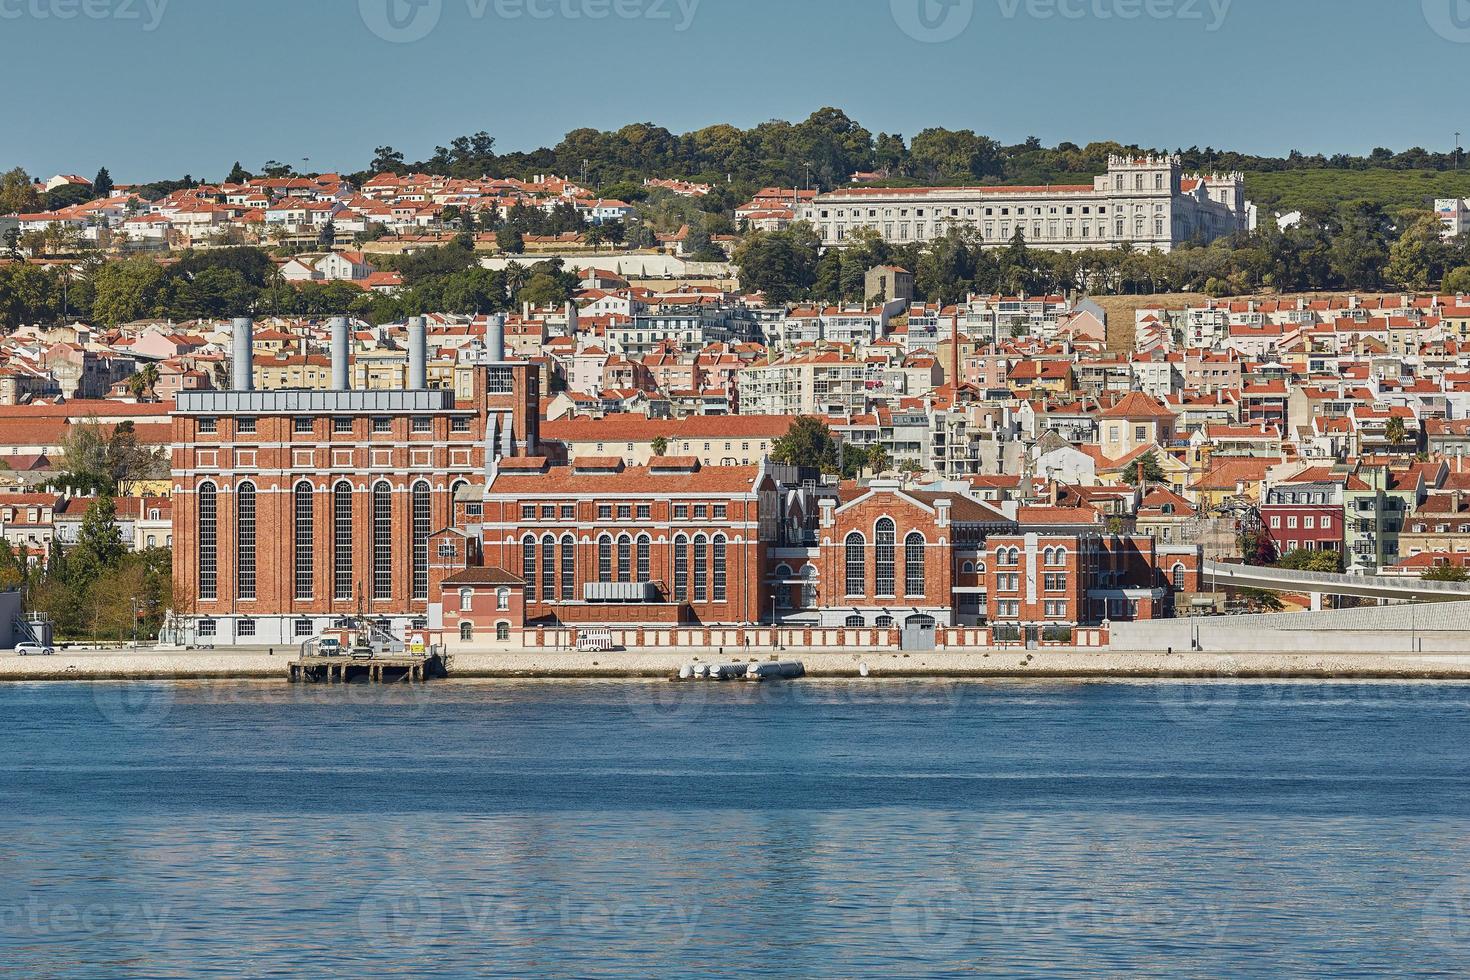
(381, 669)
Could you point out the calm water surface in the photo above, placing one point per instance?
(635, 830)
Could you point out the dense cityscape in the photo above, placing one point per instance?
(519, 410)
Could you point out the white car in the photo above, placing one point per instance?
(33, 650)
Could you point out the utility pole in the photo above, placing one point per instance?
(1457, 150)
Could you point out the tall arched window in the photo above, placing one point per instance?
(701, 568)
(625, 559)
(382, 540)
(568, 568)
(720, 572)
(809, 587)
(645, 572)
(528, 566)
(604, 559)
(305, 495)
(913, 564)
(548, 568)
(245, 541)
(782, 589)
(342, 541)
(681, 568)
(208, 541)
(466, 631)
(857, 564)
(423, 516)
(883, 558)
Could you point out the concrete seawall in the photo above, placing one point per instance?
(1010, 663)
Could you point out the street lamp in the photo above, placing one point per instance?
(1413, 624)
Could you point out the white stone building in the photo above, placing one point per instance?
(1146, 202)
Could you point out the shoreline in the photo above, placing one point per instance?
(152, 665)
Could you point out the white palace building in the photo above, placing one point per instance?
(1146, 202)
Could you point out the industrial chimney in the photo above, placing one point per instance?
(495, 338)
(418, 353)
(341, 354)
(242, 337)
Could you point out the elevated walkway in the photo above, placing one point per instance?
(1218, 575)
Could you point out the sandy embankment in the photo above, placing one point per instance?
(259, 664)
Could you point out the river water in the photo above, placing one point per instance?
(809, 829)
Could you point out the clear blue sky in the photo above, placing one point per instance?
(220, 80)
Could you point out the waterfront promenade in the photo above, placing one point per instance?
(248, 664)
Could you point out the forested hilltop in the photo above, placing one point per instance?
(829, 146)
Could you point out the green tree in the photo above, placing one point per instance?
(781, 264)
(18, 193)
(102, 184)
(99, 545)
(1395, 431)
(660, 446)
(1152, 471)
(878, 459)
(1305, 560)
(808, 442)
(1446, 573)
(125, 291)
(237, 174)
(510, 239)
(1457, 281)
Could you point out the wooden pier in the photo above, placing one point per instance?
(381, 669)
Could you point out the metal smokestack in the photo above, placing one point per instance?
(495, 338)
(418, 353)
(242, 337)
(341, 354)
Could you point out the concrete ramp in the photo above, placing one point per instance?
(1218, 575)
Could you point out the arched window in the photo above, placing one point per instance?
(625, 558)
(1049, 556)
(809, 587)
(548, 568)
(502, 599)
(604, 559)
(1179, 575)
(382, 540)
(466, 600)
(913, 564)
(854, 622)
(782, 589)
(502, 631)
(968, 568)
(681, 568)
(701, 568)
(466, 631)
(342, 541)
(1056, 557)
(720, 571)
(883, 622)
(208, 541)
(883, 559)
(305, 540)
(528, 566)
(423, 516)
(645, 571)
(857, 564)
(568, 568)
(245, 541)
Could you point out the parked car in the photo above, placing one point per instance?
(33, 650)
